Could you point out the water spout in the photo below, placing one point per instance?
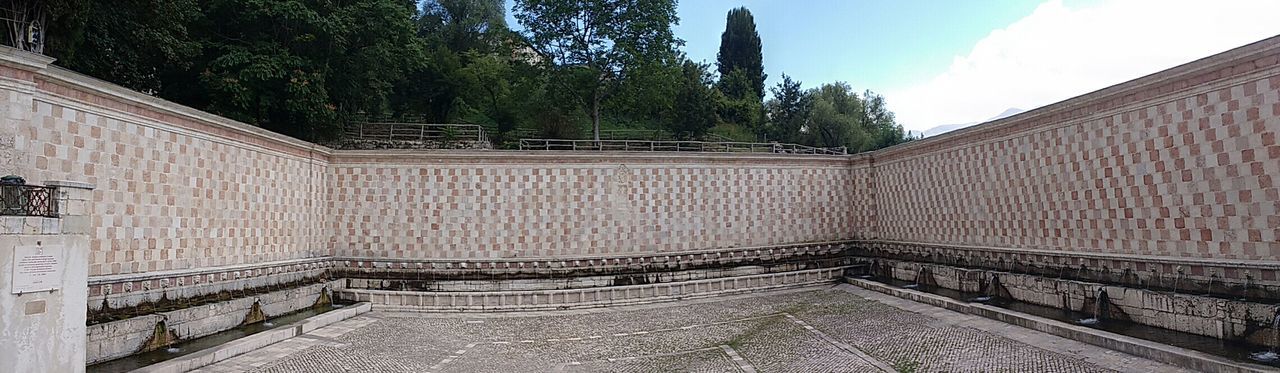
(1272, 355)
(920, 273)
(1177, 279)
(1248, 283)
(1099, 309)
(1212, 278)
(255, 314)
(989, 291)
(161, 338)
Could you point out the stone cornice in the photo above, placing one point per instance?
(109, 279)
(23, 59)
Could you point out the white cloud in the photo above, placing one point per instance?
(1059, 52)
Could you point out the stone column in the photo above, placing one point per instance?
(44, 285)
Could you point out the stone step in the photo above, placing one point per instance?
(490, 301)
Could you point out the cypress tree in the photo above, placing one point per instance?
(740, 49)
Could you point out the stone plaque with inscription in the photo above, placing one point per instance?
(36, 268)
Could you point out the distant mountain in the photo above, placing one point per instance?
(1006, 113)
(952, 127)
(946, 128)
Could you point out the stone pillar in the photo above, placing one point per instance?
(17, 88)
(44, 285)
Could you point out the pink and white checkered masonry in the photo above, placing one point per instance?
(1180, 164)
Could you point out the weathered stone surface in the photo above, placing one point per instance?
(810, 331)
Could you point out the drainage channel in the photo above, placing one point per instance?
(1234, 350)
(187, 347)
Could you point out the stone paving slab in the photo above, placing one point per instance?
(708, 360)
(825, 329)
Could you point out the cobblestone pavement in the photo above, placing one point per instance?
(829, 329)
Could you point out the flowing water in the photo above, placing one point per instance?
(989, 291)
(182, 348)
(1099, 309)
(1271, 356)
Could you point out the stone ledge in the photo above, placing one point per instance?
(1134, 346)
(1214, 317)
(585, 298)
(25, 59)
(69, 184)
(1258, 264)
(110, 279)
(247, 344)
(1237, 278)
(116, 339)
(819, 246)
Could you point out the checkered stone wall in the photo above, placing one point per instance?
(1181, 164)
(521, 205)
(176, 189)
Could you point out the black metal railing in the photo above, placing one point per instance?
(400, 131)
(28, 200)
(676, 146)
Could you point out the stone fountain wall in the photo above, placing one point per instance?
(522, 205)
(1174, 176)
(1195, 313)
(177, 189)
(1169, 177)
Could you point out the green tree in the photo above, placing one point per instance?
(133, 43)
(443, 86)
(740, 50)
(838, 117)
(594, 45)
(695, 106)
(737, 104)
(788, 110)
(879, 122)
(646, 99)
(464, 25)
(834, 119)
(298, 67)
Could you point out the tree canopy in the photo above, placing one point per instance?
(740, 50)
(305, 68)
(599, 42)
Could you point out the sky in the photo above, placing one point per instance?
(941, 62)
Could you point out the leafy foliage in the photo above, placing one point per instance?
(736, 103)
(838, 117)
(464, 25)
(695, 106)
(789, 110)
(600, 40)
(296, 67)
(303, 67)
(105, 39)
(740, 50)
